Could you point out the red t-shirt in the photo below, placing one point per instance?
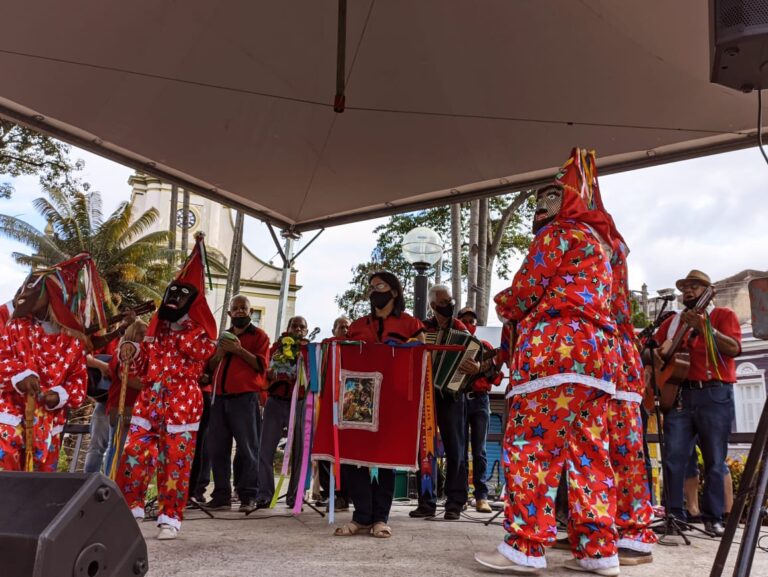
(372, 329)
(113, 397)
(723, 320)
(234, 375)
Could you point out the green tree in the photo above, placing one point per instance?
(508, 233)
(135, 265)
(26, 152)
(639, 318)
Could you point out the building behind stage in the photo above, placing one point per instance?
(260, 281)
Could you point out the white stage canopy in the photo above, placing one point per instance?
(445, 99)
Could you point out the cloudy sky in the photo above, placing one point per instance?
(709, 213)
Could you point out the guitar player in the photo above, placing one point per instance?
(704, 403)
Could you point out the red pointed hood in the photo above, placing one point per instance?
(193, 273)
(75, 294)
(581, 194)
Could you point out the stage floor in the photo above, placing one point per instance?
(270, 543)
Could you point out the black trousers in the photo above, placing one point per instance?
(372, 498)
(200, 475)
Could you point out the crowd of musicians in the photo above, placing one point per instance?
(182, 395)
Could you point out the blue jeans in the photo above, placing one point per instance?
(478, 415)
(707, 413)
(99, 439)
(451, 421)
(234, 417)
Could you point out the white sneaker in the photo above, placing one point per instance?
(167, 533)
(576, 565)
(496, 561)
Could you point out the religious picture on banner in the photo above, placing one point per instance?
(359, 400)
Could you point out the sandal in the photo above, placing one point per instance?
(381, 530)
(352, 528)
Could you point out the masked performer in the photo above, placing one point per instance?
(42, 360)
(561, 381)
(179, 342)
(634, 512)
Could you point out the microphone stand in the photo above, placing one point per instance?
(669, 524)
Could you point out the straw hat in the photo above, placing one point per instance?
(694, 275)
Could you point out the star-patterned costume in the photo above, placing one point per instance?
(633, 497)
(562, 376)
(53, 351)
(30, 347)
(165, 419)
(166, 415)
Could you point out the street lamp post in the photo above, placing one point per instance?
(422, 247)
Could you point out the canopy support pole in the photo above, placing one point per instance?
(286, 254)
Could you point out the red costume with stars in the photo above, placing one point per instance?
(166, 415)
(562, 376)
(52, 350)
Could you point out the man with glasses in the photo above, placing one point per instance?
(704, 405)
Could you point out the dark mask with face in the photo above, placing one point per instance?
(380, 300)
(549, 201)
(30, 299)
(240, 322)
(444, 310)
(176, 301)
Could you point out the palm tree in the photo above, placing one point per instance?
(136, 266)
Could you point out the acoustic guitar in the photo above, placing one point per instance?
(672, 365)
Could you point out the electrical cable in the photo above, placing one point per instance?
(760, 125)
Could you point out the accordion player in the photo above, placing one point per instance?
(445, 363)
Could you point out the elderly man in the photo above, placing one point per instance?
(479, 414)
(240, 374)
(704, 405)
(282, 374)
(340, 330)
(451, 419)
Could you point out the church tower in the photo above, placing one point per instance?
(260, 281)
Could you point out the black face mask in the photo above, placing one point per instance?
(241, 322)
(689, 304)
(380, 300)
(170, 314)
(444, 310)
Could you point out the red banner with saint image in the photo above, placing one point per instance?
(379, 390)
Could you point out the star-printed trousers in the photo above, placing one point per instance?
(549, 429)
(633, 497)
(13, 443)
(171, 455)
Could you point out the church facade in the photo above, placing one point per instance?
(260, 281)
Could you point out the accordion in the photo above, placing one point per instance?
(445, 364)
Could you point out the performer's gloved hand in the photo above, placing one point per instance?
(51, 399)
(30, 384)
(128, 351)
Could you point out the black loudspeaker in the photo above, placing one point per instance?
(67, 525)
(739, 31)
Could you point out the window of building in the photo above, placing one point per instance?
(257, 316)
(749, 397)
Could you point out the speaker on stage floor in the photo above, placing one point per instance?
(739, 33)
(67, 525)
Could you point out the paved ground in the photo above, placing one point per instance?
(274, 543)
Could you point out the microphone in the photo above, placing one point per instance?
(668, 298)
(313, 334)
